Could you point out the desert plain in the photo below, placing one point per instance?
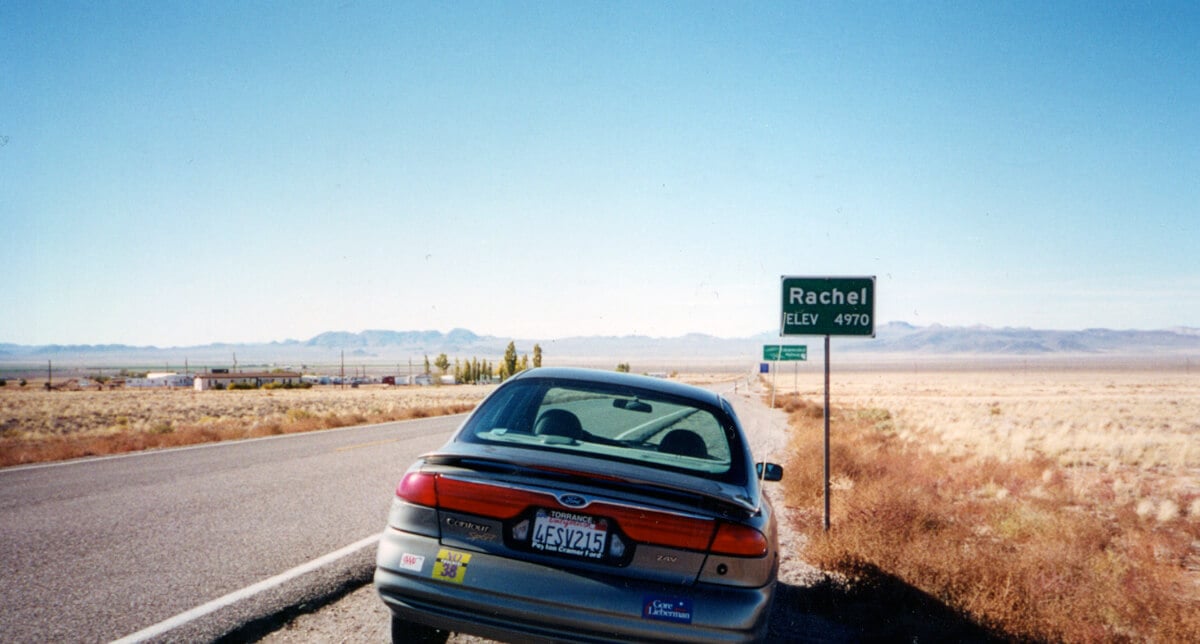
(1042, 500)
(1117, 442)
(38, 425)
(1137, 426)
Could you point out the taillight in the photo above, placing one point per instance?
(739, 540)
(488, 500)
(663, 529)
(419, 488)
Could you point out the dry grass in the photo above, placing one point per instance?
(1051, 507)
(38, 426)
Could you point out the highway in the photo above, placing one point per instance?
(99, 549)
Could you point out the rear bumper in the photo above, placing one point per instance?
(514, 600)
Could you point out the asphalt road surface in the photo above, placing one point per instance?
(197, 543)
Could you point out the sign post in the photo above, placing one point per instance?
(827, 306)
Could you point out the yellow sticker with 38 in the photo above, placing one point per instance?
(451, 565)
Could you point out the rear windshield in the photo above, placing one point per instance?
(611, 423)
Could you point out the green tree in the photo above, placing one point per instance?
(442, 363)
(524, 362)
(623, 367)
(427, 370)
(537, 356)
(510, 361)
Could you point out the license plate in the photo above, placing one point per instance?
(568, 533)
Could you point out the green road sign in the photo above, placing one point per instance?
(785, 352)
(828, 306)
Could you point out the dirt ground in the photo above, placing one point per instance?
(32, 412)
(1134, 431)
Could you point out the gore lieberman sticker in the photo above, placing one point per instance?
(668, 609)
(412, 562)
(451, 566)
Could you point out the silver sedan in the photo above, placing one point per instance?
(580, 505)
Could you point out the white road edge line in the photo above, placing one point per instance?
(238, 595)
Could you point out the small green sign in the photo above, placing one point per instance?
(828, 306)
(785, 352)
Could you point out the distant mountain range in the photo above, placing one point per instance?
(900, 337)
(379, 346)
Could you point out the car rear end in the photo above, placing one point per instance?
(512, 532)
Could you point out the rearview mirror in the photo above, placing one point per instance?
(769, 471)
(632, 404)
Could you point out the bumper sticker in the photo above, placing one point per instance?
(668, 609)
(412, 562)
(451, 565)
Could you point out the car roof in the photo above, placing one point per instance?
(617, 378)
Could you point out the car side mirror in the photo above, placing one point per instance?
(769, 471)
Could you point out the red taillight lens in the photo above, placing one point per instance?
(488, 500)
(419, 488)
(663, 529)
(739, 540)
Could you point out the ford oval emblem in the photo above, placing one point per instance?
(572, 500)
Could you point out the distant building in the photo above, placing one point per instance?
(255, 379)
(165, 379)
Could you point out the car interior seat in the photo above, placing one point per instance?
(683, 442)
(558, 422)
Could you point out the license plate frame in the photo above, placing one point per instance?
(569, 534)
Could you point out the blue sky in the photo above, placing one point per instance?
(182, 173)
